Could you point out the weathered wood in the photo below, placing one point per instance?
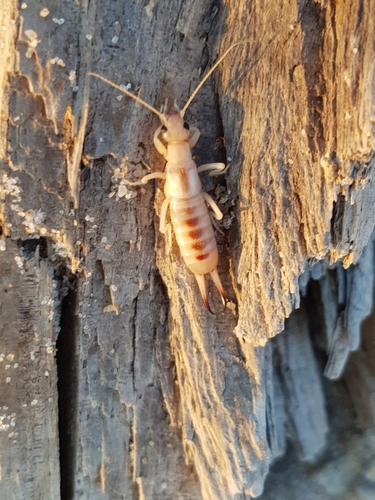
(29, 440)
(161, 399)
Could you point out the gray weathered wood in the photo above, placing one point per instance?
(159, 399)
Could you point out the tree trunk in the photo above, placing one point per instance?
(148, 395)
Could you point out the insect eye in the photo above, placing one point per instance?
(186, 125)
(164, 128)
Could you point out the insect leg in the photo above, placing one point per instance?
(218, 168)
(217, 212)
(163, 227)
(214, 223)
(158, 144)
(146, 178)
(194, 137)
(166, 228)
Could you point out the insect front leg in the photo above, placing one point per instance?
(194, 136)
(158, 144)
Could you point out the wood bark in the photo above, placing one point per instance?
(148, 396)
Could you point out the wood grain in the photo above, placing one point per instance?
(158, 399)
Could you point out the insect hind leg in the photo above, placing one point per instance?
(218, 214)
(217, 168)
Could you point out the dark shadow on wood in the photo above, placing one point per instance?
(67, 371)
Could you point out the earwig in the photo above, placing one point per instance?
(183, 189)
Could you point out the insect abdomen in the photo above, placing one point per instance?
(195, 236)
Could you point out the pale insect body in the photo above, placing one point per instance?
(183, 191)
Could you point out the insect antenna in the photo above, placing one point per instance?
(124, 91)
(207, 76)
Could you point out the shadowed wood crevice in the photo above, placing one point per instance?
(67, 359)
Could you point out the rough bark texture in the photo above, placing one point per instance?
(158, 399)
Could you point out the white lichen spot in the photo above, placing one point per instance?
(31, 35)
(128, 86)
(34, 402)
(44, 12)
(61, 249)
(16, 118)
(113, 288)
(10, 186)
(114, 39)
(110, 308)
(32, 356)
(46, 373)
(2, 246)
(40, 217)
(72, 75)
(4, 427)
(23, 6)
(231, 306)
(24, 405)
(49, 350)
(50, 400)
(7, 380)
(15, 365)
(58, 21)
(355, 50)
(104, 239)
(61, 63)
(7, 367)
(2, 356)
(19, 262)
(89, 37)
(122, 190)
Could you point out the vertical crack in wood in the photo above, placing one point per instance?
(67, 369)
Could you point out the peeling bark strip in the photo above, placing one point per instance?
(160, 400)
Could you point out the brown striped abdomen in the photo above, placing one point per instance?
(195, 236)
